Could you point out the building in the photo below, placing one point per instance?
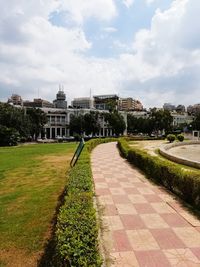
(169, 106)
(106, 102)
(181, 119)
(194, 110)
(38, 103)
(180, 109)
(130, 104)
(83, 102)
(15, 100)
(60, 101)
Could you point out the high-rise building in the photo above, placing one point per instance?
(60, 101)
(83, 102)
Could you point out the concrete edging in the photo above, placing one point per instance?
(164, 151)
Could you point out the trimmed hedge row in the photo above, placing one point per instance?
(185, 184)
(77, 227)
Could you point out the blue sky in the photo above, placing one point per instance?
(146, 49)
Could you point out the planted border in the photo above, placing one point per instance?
(77, 226)
(185, 184)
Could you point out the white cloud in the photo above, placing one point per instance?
(80, 10)
(162, 64)
(128, 3)
(109, 29)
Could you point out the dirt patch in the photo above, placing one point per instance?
(18, 258)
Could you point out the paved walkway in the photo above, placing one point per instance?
(144, 225)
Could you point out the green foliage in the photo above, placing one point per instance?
(8, 136)
(185, 184)
(171, 138)
(37, 120)
(116, 122)
(180, 137)
(15, 122)
(196, 122)
(77, 227)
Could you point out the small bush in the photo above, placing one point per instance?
(180, 137)
(77, 227)
(185, 185)
(171, 138)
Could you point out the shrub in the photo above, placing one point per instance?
(77, 227)
(180, 137)
(171, 137)
(185, 185)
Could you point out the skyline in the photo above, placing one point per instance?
(145, 49)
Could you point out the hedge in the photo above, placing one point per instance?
(77, 226)
(185, 184)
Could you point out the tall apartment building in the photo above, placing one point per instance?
(130, 104)
(83, 102)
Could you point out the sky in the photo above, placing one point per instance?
(145, 49)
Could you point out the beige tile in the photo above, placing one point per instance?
(166, 197)
(105, 199)
(190, 218)
(124, 259)
(189, 235)
(137, 198)
(162, 207)
(142, 240)
(126, 184)
(181, 258)
(117, 191)
(126, 209)
(101, 185)
(154, 221)
(113, 222)
(145, 190)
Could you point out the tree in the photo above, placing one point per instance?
(37, 120)
(77, 124)
(162, 120)
(116, 122)
(196, 123)
(91, 123)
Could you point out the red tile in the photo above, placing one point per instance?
(174, 220)
(132, 222)
(167, 239)
(143, 208)
(120, 199)
(153, 198)
(196, 252)
(153, 258)
(121, 242)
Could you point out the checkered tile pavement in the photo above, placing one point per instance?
(143, 224)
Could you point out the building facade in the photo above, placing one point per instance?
(130, 104)
(83, 102)
(106, 102)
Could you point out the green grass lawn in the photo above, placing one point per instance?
(32, 177)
